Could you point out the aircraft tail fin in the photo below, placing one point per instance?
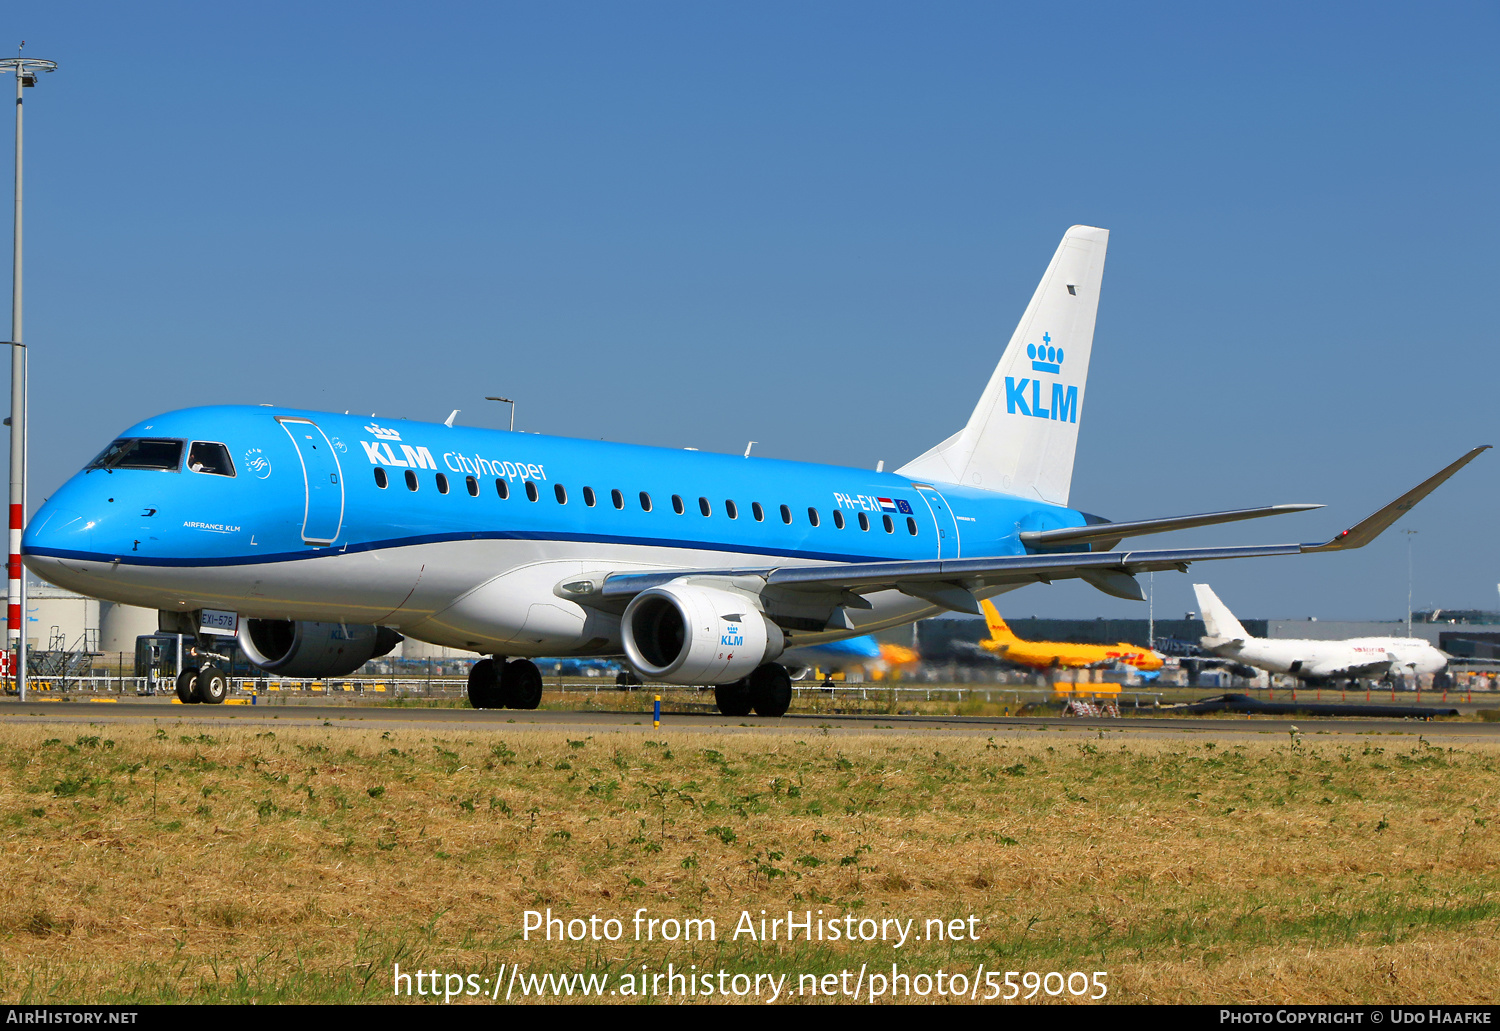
(1021, 436)
(999, 631)
(1217, 619)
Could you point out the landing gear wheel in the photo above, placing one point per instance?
(187, 685)
(625, 680)
(484, 685)
(770, 690)
(521, 685)
(733, 699)
(213, 686)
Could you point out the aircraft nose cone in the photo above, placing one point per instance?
(58, 529)
(51, 535)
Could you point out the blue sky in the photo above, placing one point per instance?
(811, 225)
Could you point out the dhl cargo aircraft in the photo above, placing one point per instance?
(1059, 654)
(320, 538)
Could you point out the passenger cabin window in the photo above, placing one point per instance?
(531, 494)
(588, 496)
(442, 483)
(503, 489)
(561, 493)
(911, 526)
(812, 516)
(472, 485)
(758, 512)
(206, 457)
(645, 502)
(730, 510)
(864, 521)
(411, 480)
(380, 478)
(140, 453)
(838, 519)
(617, 499)
(786, 515)
(677, 505)
(890, 527)
(705, 507)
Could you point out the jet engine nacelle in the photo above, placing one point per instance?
(692, 634)
(304, 649)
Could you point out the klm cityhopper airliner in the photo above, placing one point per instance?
(322, 538)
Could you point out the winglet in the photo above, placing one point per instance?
(1365, 531)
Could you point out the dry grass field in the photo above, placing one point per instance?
(165, 864)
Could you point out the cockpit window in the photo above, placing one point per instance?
(204, 457)
(142, 453)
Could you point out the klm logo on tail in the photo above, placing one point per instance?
(1064, 401)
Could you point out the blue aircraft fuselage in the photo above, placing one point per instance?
(459, 535)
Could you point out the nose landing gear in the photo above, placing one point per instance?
(187, 685)
(207, 684)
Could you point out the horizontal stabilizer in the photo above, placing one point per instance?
(1140, 527)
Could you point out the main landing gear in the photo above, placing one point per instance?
(768, 691)
(497, 684)
(202, 684)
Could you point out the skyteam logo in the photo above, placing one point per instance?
(1045, 357)
(257, 462)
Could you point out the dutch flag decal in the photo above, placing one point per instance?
(886, 505)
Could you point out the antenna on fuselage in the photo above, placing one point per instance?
(749, 446)
(449, 421)
(880, 466)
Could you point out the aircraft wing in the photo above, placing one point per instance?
(953, 583)
(1112, 533)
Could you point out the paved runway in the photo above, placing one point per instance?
(160, 709)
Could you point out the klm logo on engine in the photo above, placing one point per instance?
(732, 638)
(1023, 401)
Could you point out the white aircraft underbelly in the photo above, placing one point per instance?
(480, 595)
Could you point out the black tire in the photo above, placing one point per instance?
(484, 685)
(770, 690)
(521, 685)
(187, 685)
(733, 699)
(213, 686)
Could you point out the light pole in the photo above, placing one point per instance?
(1151, 610)
(512, 404)
(1409, 535)
(25, 70)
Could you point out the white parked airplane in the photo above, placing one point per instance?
(1313, 660)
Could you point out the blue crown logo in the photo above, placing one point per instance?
(1044, 357)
